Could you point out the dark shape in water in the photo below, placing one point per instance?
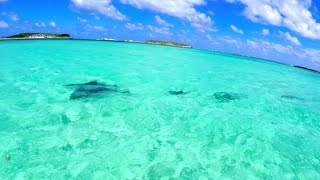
(64, 119)
(177, 92)
(88, 83)
(290, 97)
(92, 88)
(67, 147)
(7, 157)
(224, 97)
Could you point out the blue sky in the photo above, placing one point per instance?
(286, 31)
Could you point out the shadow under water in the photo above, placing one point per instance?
(225, 97)
(91, 89)
(290, 97)
(177, 92)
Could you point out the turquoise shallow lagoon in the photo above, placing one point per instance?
(242, 118)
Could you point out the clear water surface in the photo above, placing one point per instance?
(241, 118)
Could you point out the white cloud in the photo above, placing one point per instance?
(293, 14)
(212, 40)
(183, 9)
(4, 24)
(291, 39)
(1, 1)
(162, 30)
(302, 54)
(95, 27)
(52, 24)
(265, 32)
(162, 22)
(134, 27)
(13, 16)
(268, 50)
(235, 29)
(209, 37)
(81, 20)
(96, 17)
(252, 44)
(99, 28)
(39, 25)
(310, 54)
(103, 7)
(231, 41)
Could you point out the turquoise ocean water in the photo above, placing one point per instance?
(241, 118)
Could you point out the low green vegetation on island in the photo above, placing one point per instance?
(168, 43)
(39, 36)
(308, 69)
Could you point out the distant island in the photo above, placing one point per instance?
(168, 43)
(308, 69)
(164, 43)
(38, 36)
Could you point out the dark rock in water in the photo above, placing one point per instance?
(92, 88)
(291, 97)
(177, 92)
(224, 97)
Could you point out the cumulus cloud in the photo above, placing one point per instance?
(99, 28)
(183, 9)
(103, 7)
(4, 24)
(13, 16)
(303, 54)
(265, 32)
(162, 22)
(83, 20)
(39, 25)
(292, 14)
(162, 30)
(96, 17)
(89, 27)
(268, 50)
(134, 27)
(52, 24)
(235, 29)
(211, 40)
(291, 39)
(252, 44)
(231, 41)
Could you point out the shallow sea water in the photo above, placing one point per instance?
(242, 118)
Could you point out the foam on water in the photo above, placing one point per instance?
(238, 120)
